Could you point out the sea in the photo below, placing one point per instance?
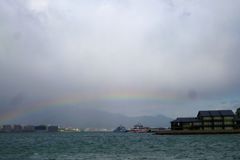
(117, 146)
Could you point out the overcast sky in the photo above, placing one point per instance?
(134, 57)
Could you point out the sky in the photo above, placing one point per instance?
(132, 57)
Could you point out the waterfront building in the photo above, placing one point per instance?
(206, 120)
(52, 128)
(6, 128)
(217, 120)
(17, 128)
(28, 128)
(237, 122)
(41, 128)
(186, 123)
(237, 118)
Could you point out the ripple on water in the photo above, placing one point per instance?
(117, 146)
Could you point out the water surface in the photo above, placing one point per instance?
(117, 146)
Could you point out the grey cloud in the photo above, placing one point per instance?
(188, 49)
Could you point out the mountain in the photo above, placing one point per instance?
(153, 121)
(89, 118)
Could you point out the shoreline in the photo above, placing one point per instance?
(198, 132)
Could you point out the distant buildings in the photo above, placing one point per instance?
(52, 128)
(96, 130)
(28, 128)
(41, 128)
(208, 120)
(17, 128)
(6, 128)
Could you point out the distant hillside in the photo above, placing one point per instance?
(89, 118)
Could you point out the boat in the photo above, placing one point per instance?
(139, 128)
(120, 129)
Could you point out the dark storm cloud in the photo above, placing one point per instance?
(184, 50)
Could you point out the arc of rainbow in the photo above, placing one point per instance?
(78, 98)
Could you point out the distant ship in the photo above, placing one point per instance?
(120, 129)
(139, 128)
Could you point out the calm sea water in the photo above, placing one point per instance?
(117, 146)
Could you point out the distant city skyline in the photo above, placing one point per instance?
(135, 58)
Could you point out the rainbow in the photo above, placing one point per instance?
(77, 99)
